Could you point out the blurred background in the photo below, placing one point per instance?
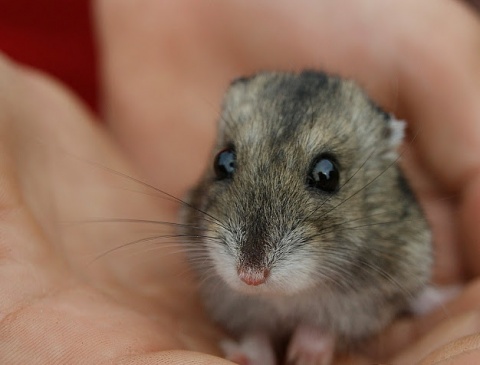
(56, 36)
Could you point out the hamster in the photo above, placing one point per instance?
(304, 231)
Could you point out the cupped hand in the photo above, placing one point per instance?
(64, 299)
(75, 290)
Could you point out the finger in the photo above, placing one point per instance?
(51, 147)
(469, 225)
(183, 83)
(29, 263)
(441, 339)
(441, 211)
(407, 332)
(465, 350)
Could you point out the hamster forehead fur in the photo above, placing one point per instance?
(309, 113)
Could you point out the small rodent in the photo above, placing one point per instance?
(305, 229)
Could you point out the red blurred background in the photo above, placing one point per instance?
(55, 36)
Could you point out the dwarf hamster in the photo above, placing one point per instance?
(304, 227)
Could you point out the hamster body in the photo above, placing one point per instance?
(305, 219)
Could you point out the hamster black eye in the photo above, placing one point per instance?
(324, 175)
(224, 164)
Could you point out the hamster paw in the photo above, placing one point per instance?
(310, 346)
(254, 349)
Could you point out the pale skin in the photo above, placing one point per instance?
(164, 68)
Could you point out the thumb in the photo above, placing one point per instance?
(28, 259)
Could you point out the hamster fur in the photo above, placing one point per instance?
(282, 257)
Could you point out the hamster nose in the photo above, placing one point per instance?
(253, 277)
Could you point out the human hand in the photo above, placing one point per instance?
(130, 307)
(62, 302)
(395, 50)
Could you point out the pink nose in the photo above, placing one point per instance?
(253, 277)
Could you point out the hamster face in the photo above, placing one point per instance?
(304, 191)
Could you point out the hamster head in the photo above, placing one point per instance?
(304, 191)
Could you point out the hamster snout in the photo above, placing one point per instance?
(251, 277)
(305, 216)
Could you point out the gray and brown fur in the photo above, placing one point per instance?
(347, 262)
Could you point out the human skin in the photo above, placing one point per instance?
(164, 68)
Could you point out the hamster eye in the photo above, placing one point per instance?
(324, 175)
(224, 164)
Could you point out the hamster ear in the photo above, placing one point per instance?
(236, 101)
(396, 131)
